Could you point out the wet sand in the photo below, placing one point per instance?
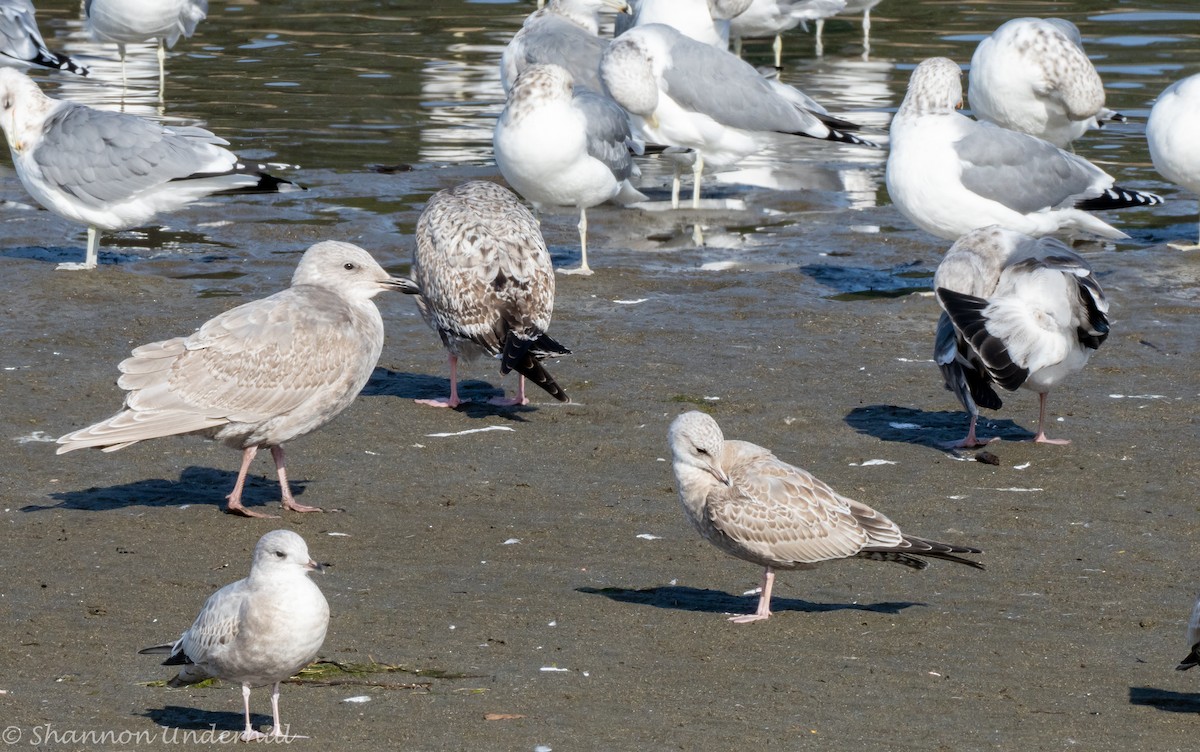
(512, 558)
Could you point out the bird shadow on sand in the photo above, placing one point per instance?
(387, 383)
(927, 428)
(201, 486)
(718, 602)
(865, 283)
(1165, 699)
(223, 723)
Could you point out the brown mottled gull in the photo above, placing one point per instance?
(263, 373)
(487, 284)
(1018, 312)
(257, 631)
(752, 505)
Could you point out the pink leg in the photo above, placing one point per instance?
(454, 401)
(250, 734)
(1041, 432)
(289, 502)
(234, 499)
(520, 399)
(764, 601)
(970, 441)
(279, 731)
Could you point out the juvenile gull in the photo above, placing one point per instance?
(558, 145)
(565, 33)
(1032, 75)
(752, 505)
(21, 44)
(132, 21)
(950, 174)
(263, 373)
(256, 631)
(487, 285)
(1193, 641)
(770, 18)
(1174, 138)
(1018, 312)
(667, 82)
(706, 21)
(112, 171)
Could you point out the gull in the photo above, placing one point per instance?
(756, 507)
(706, 21)
(1032, 75)
(1193, 641)
(133, 21)
(109, 170)
(21, 44)
(1172, 137)
(558, 145)
(256, 631)
(263, 373)
(950, 174)
(770, 18)
(565, 33)
(853, 6)
(487, 285)
(665, 80)
(1018, 312)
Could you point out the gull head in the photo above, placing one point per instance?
(282, 551)
(935, 88)
(537, 84)
(726, 9)
(586, 13)
(628, 71)
(696, 446)
(23, 108)
(347, 270)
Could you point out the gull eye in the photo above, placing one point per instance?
(348, 266)
(281, 554)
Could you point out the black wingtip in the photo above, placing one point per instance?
(521, 355)
(1119, 198)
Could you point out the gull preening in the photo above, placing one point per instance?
(257, 631)
(1174, 139)
(263, 373)
(558, 145)
(566, 33)
(487, 285)
(132, 21)
(1018, 312)
(21, 44)
(758, 508)
(950, 174)
(112, 171)
(1032, 75)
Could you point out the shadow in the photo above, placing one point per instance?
(196, 485)
(1164, 699)
(387, 383)
(862, 283)
(931, 429)
(177, 717)
(717, 602)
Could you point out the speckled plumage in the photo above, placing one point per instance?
(21, 42)
(752, 505)
(487, 284)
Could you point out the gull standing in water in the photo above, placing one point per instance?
(770, 18)
(756, 507)
(565, 33)
(558, 145)
(21, 44)
(950, 174)
(257, 631)
(1018, 312)
(263, 373)
(706, 21)
(112, 171)
(487, 285)
(1173, 135)
(1032, 75)
(132, 21)
(853, 6)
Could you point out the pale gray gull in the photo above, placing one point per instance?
(263, 373)
(1173, 134)
(665, 80)
(706, 21)
(770, 18)
(112, 171)
(853, 6)
(1017, 312)
(558, 145)
(487, 285)
(1193, 640)
(950, 174)
(257, 631)
(1032, 75)
(565, 33)
(21, 44)
(758, 508)
(133, 21)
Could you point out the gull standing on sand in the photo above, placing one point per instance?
(706, 21)
(770, 18)
(1018, 312)
(112, 171)
(21, 44)
(565, 33)
(1173, 134)
(263, 373)
(950, 174)
(1032, 75)
(667, 81)
(133, 21)
(487, 285)
(257, 631)
(558, 145)
(754, 506)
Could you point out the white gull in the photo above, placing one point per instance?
(21, 44)
(132, 21)
(1173, 134)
